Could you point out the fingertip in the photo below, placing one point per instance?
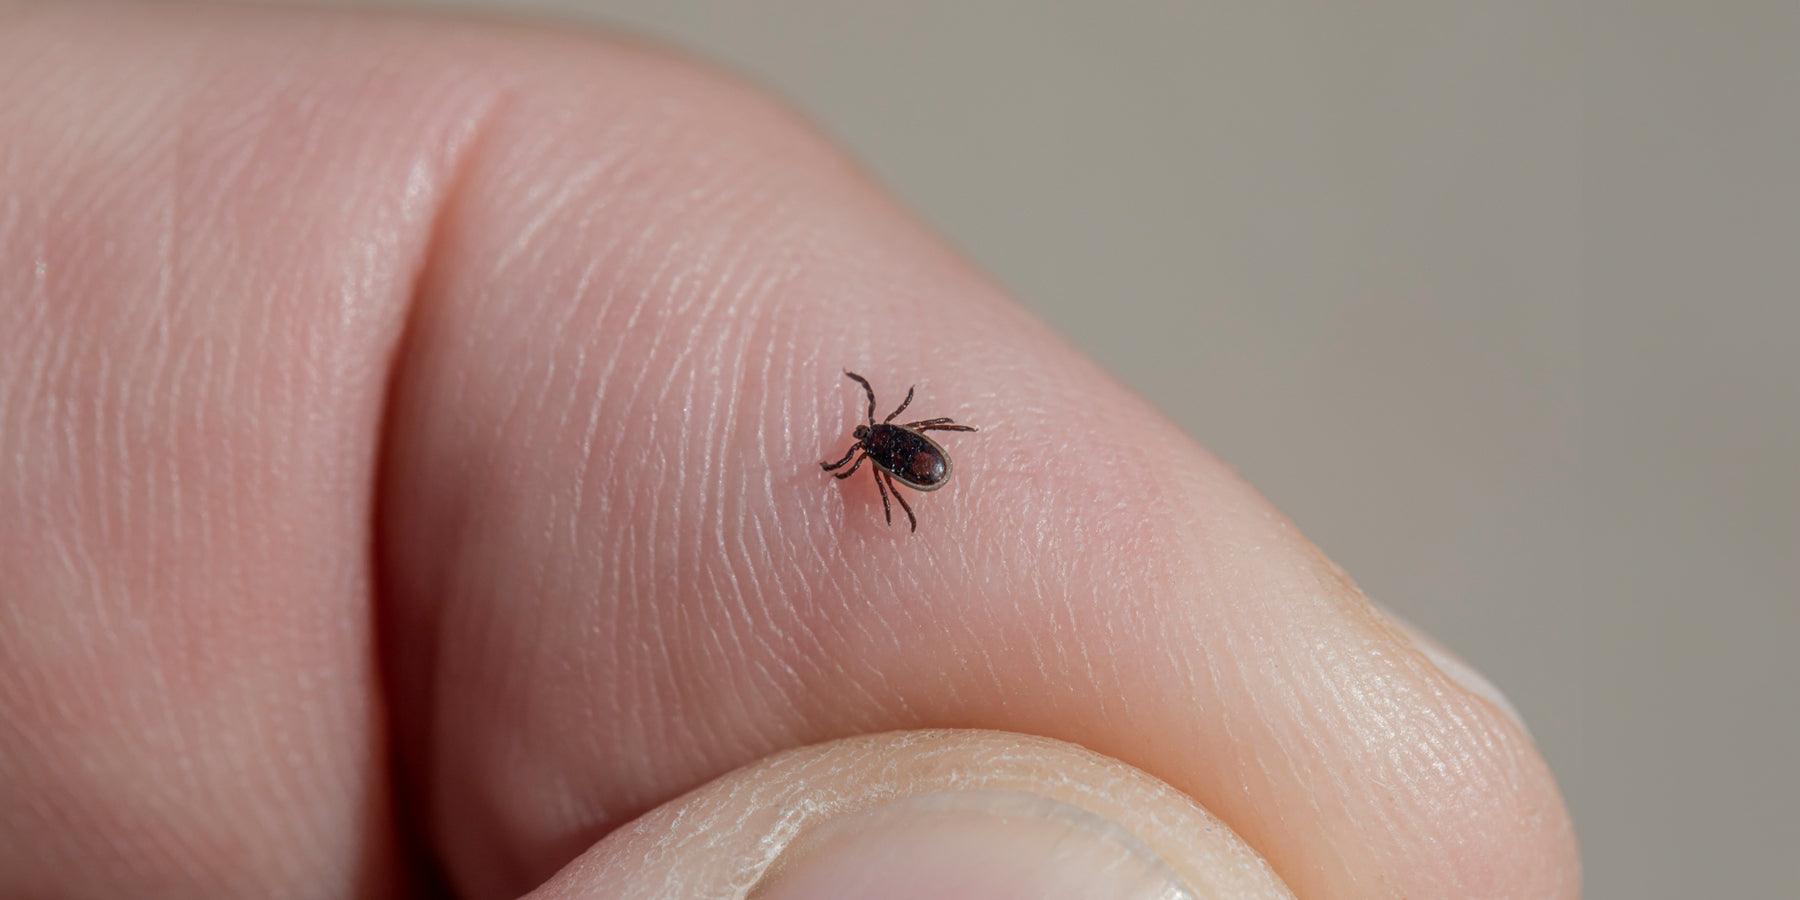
(625, 249)
(929, 813)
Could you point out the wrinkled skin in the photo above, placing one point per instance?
(408, 460)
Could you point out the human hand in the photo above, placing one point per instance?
(410, 435)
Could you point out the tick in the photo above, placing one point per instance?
(900, 453)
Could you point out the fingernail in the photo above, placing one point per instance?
(986, 844)
(1456, 670)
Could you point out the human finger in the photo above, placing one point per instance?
(925, 814)
(614, 571)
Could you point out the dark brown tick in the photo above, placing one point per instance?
(901, 453)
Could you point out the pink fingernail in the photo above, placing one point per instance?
(976, 844)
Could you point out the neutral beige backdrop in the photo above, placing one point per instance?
(1500, 301)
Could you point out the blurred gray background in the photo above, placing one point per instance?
(1500, 301)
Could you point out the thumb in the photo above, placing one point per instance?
(925, 814)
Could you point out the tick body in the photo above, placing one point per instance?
(898, 454)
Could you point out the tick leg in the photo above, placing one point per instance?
(882, 487)
(853, 467)
(910, 518)
(939, 421)
(903, 404)
(867, 390)
(847, 454)
(946, 428)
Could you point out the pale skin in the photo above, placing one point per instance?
(405, 408)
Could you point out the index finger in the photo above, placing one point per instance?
(618, 572)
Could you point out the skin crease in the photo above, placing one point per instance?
(373, 386)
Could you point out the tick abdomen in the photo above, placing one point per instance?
(910, 456)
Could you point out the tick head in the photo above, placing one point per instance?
(861, 433)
